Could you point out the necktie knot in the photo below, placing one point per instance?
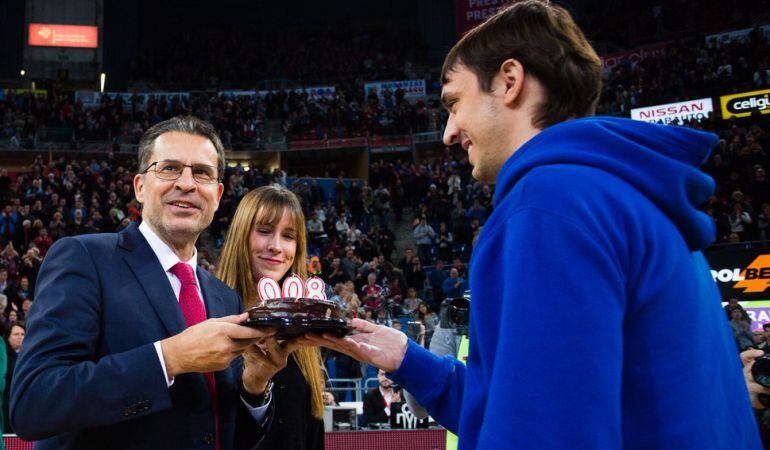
(184, 272)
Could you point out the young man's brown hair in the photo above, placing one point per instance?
(547, 42)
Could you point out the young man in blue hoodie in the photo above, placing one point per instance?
(587, 280)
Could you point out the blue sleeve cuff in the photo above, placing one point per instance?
(411, 373)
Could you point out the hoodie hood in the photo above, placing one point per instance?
(662, 162)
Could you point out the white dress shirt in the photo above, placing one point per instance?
(169, 259)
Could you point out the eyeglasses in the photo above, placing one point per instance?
(172, 170)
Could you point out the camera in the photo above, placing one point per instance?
(455, 313)
(760, 371)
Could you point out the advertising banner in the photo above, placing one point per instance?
(314, 91)
(736, 35)
(674, 112)
(52, 35)
(411, 88)
(469, 13)
(745, 103)
(39, 93)
(91, 99)
(632, 56)
(740, 273)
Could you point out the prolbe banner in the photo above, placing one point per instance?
(741, 274)
(745, 103)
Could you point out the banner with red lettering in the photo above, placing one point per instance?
(675, 113)
(633, 56)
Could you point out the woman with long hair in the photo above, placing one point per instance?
(267, 237)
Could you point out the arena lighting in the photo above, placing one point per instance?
(102, 79)
(22, 72)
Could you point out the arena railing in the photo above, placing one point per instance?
(64, 139)
(358, 387)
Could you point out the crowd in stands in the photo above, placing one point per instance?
(631, 23)
(342, 56)
(690, 68)
(239, 120)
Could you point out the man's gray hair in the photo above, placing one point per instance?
(182, 124)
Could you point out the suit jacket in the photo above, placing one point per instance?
(88, 375)
(374, 408)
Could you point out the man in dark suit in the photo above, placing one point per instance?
(377, 401)
(130, 345)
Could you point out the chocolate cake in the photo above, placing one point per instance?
(293, 317)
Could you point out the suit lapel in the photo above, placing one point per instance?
(215, 306)
(154, 281)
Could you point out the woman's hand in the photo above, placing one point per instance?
(263, 360)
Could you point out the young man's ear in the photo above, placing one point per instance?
(512, 75)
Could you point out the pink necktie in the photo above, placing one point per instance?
(194, 312)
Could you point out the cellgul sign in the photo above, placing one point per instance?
(675, 112)
(745, 103)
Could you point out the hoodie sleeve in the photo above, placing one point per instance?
(441, 393)
(555, 358)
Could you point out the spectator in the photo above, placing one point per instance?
(377, 401)
(437, 278)
(741, 330)
(732, 304)
(428, 318)
(411, 302)
(342, 228)
(740, 220)
(371, 293)
(329, 399)
(763, 222)
(415, 275)
(764, 345)
(8, 220)
(336, 273)
(445, 242)
(14, 337)
(315, 228)
(43, 242)
(423, 238)
(454, 286)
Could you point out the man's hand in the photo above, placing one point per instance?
(380, 346)
(209, 346)
(747, 358)
(263, 360)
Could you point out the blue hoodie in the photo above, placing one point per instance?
(595, 323)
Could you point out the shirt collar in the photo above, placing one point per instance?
(165, 255)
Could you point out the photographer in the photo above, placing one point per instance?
(755, 389)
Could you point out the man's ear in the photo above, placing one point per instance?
(511, 74)
(139, 187)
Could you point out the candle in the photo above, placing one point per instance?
(293, 287)
(268, 289)
(315, 288)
